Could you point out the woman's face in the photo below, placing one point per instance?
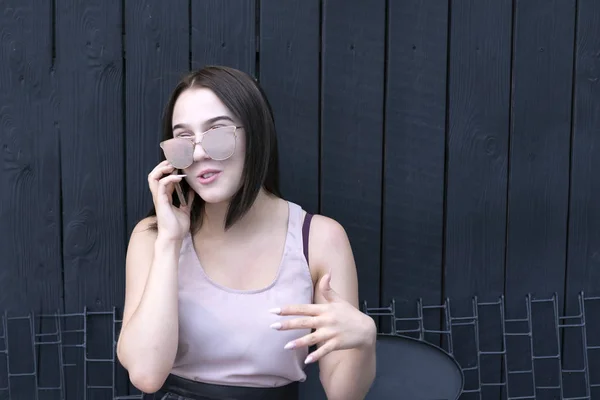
(196, 111)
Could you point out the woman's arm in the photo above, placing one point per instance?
(149, 335)
(345, 374)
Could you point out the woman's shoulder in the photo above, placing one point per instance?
(144, 233)
(327, 231)
(146, 226)
(322, 228)
(328, 243)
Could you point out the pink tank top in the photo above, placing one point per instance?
(224, 334)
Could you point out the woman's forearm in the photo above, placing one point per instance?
(352, 377)
(148, 343)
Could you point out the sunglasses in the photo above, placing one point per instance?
(218, 143)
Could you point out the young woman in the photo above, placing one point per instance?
(228, 285)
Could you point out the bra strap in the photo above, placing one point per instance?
(305, 231)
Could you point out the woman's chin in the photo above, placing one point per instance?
(212, 195)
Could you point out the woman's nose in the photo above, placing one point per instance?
(199, 153)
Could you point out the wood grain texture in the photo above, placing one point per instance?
(289, 74)
(30, 198)
(539, 149)
(583, 263)
(223, 33)
(30, 205)
(538, 174)
(584, 229)
(415, 128)
(30, 276)
(89, 69)
(477, 148)
(157, 46)
(352, 130)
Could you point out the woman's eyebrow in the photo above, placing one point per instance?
(218, 118)
(181, 126)
(208, 122)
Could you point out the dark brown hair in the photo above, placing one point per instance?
(244, 97)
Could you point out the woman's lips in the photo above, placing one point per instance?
(208, 176)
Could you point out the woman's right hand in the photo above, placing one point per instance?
(173, 222)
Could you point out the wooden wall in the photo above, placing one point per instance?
(454, 140)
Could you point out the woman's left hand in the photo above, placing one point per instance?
(337, 324)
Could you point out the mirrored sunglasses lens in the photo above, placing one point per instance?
(219, 143)
(178, 152)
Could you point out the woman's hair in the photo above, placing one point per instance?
(244, 97)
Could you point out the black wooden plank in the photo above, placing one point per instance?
(583, 265)
(584, 221)
(89, 66)
(89, 69)
(223, 33)
(30, 195)
(538, 177)
(157, 47)
(352, 129)
(477, 147)
(30, 225)
(289, 74)
(539, 148)
(415, 128)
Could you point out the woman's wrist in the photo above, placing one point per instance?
(167, 243)
(369, 333)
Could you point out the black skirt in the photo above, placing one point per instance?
(178, 388)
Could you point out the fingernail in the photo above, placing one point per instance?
(289, 346)
(276, 325)
(275, 310)
(308, 360)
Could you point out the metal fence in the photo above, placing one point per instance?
(540, 354)
(66, 356)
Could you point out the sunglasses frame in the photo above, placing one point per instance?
(195, 142)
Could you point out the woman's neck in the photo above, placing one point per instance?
(213, 223)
